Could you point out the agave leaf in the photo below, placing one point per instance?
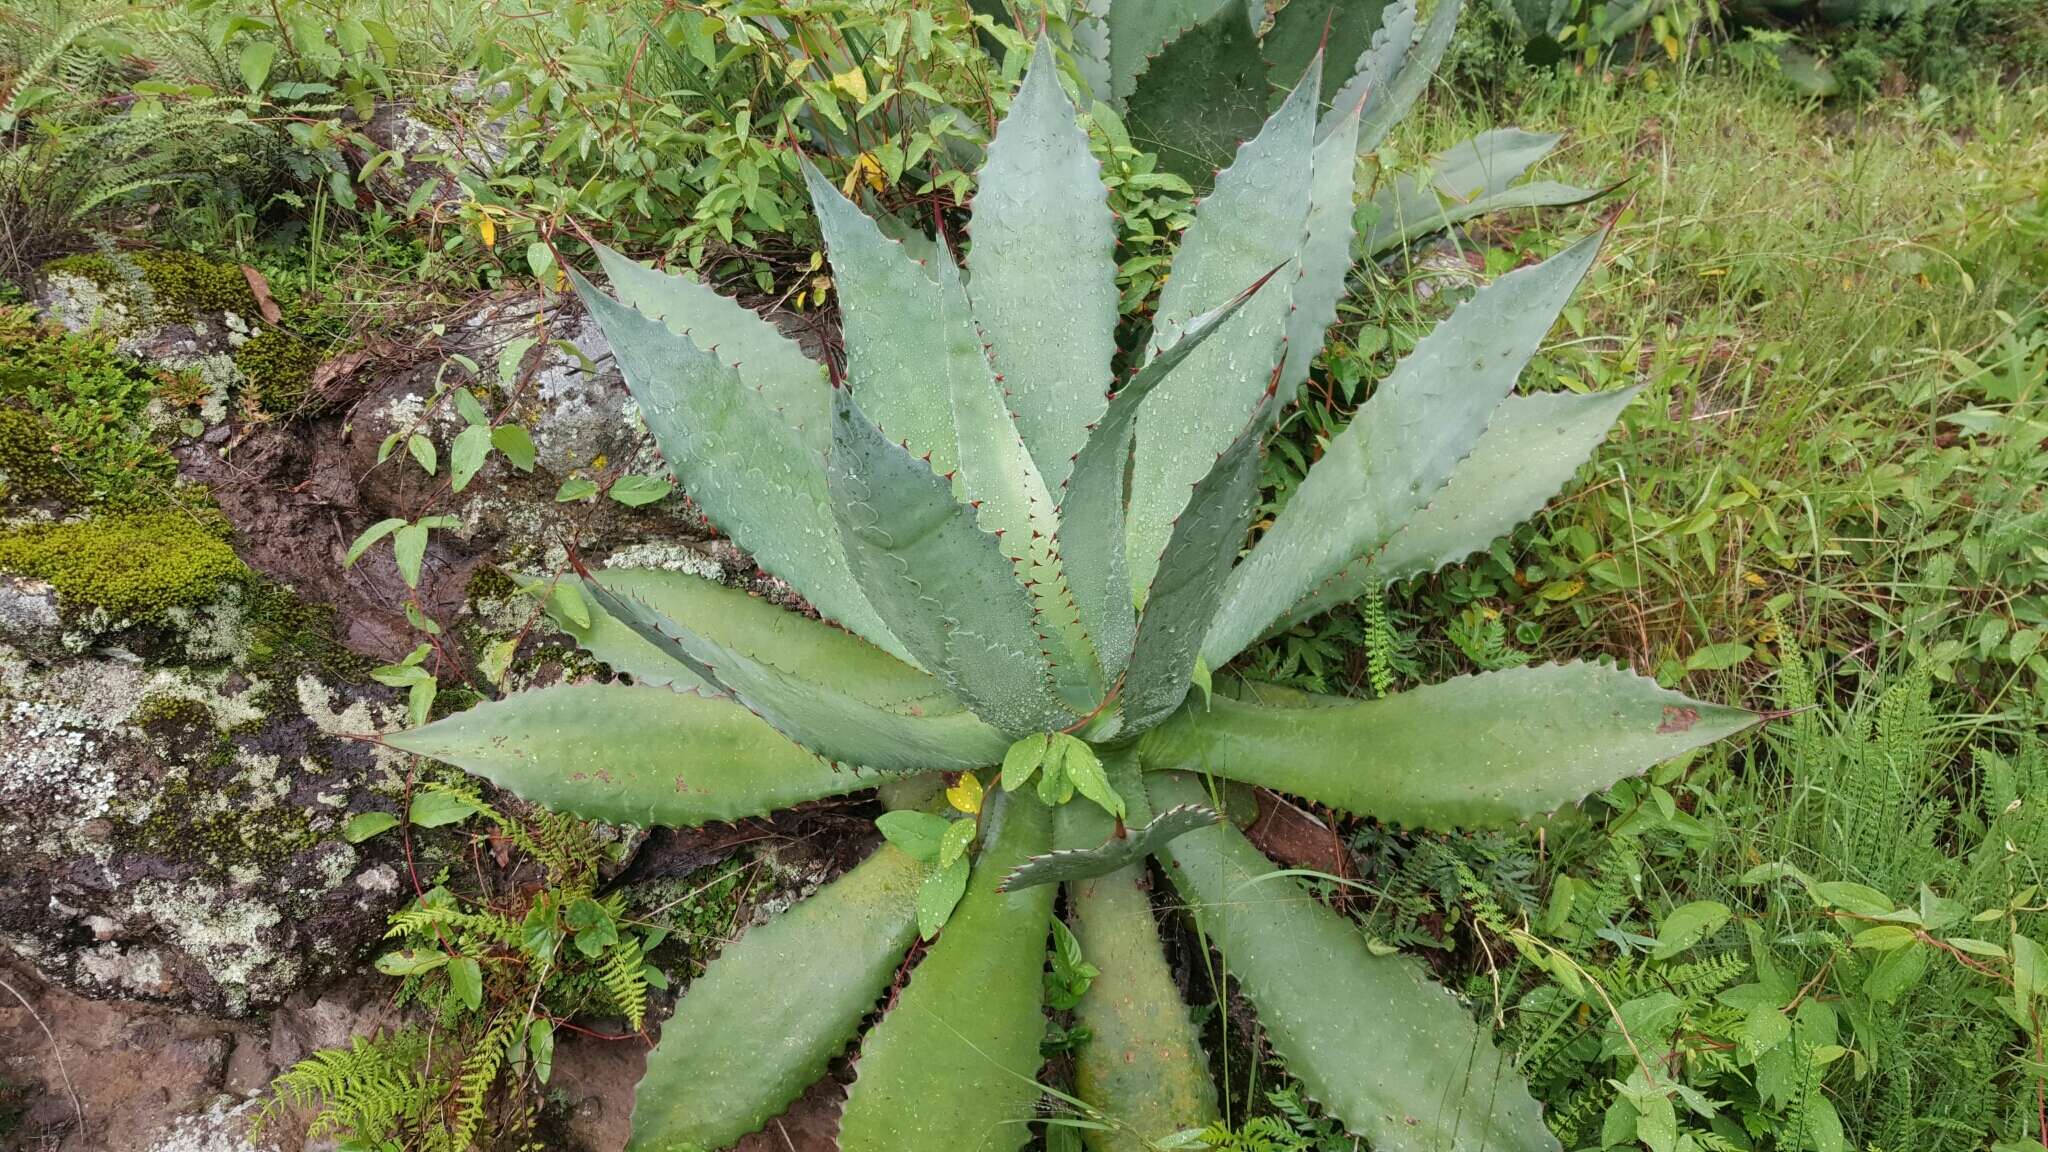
(1326, 254)
(1532, 448)
(768, 362)
(633, 754)
(837, 725)
(1182, 602)
(750, 471)
(1378, 64)
(1044, 269)
(1255, 219)
(1407, 213)
(793, 644)
(1400, 448)
(1139, 30)
(1389, 94)
(914, 355)
(1091, 532)
(1343, 30)
(1490, 750)
(769, 1014)
(1392, 1054)
(1112, 853)
(1468, 180)
(906, 341)
(943, 584)
(954, 1065)
(1143, 1068)
(1206, 92)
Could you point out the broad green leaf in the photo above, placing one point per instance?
(1392, 1054)
(1532, 448)
(364, 825)
(1254, 220)
(1084, 768)
(1188, 586)
(436, 809)
(1687, 925)
(1374, 71)
(944, 586)
(635, 491)
(771, 1012)
(633, 755)
(1022, 760)
(751, 473)
(1091, 531)
(466, 981)
(1044, 269)
(371, 535)
(841, 726)
(1478, 751)
(1401, 447)
(254, 63)
(409, 551)
(954, 1066)
(516, 443)
(466, 456)
(917, 834)
(940, 893)
(1143, 1066)
(793, 384)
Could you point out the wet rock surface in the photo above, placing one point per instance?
(185, 914)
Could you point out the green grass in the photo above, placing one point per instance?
(1829, 500)
(1813, 299)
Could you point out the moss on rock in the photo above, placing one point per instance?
(134, 564)
(29, 470)
(279, 368)
(184, 284)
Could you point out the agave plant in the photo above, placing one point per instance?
(1025, 544)
(1194, 77)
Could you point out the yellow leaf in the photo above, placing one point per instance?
(487, 230)
(1754, 579)
(853, 82)
(1671, 46)
(965, 794)
(864, 168)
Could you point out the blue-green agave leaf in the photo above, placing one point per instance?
(954, 1066)
(633, 754)
(1492, 750)
(1532, 448)
(1256, 218)
(1400, 448)
(837, 725)
(1044, 269)
(1387, 1051)
(768, 1015)
(754, 474)
(943, 584)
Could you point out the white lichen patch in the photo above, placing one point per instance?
(358, 717)
(231, 936)
(668, 558)
(125, 971)
(79, 304)
(223, 1127)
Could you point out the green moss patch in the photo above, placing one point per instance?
(279, 368)
(72, 413)
(184, 285)
(137, 565)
